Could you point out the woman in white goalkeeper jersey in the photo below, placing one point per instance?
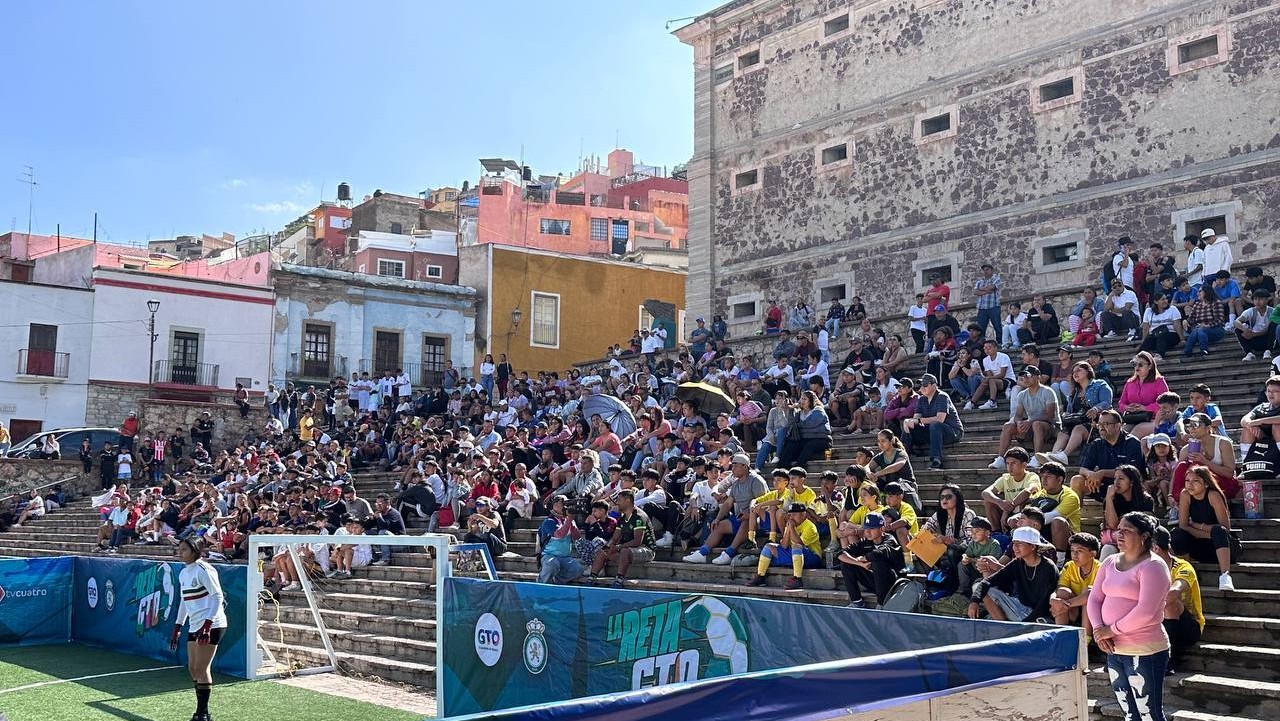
(201, 609)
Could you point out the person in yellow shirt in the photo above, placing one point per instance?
(1060, 506)
(760, 515)
(850, 532)
(1068, 602)
(306, 425)
(1011, 491)
(798, 491)
(1183, 609)
(903, 523)
(800, 547)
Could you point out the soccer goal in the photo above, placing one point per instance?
(283, 629)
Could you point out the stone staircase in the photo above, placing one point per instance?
(381, 621)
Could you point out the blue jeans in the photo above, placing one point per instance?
(770, 445)
(1203, 337)
(1138, 682)
(938, 435)
(989, 316)
(560, 569)
(833, 328)
(965, 386)
(486, 382)
(384, 552)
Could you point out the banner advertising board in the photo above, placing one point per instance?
(35, 600)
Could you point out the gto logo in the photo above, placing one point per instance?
(488, 639)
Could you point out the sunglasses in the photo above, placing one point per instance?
(946, 497)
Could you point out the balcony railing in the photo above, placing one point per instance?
(420, 374)
(323, 368)
(185, 374)
(47, 363)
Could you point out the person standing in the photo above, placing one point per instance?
(987, 290)
(1217, 253)
(5, 440)
(129, 430)
(488, 370)
(107, 466)
(201, 610)
(918, 315)
(202, 430)
(1126, 611)
(504, 372)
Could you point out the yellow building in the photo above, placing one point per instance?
(547, 311)
(444, 200)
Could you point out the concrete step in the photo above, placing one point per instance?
(360, 642)
(1242, 630)
(293, 610)
(407, 672)
(1198, 716)
(1246, 698)
(1242, 662)
(1249, 603)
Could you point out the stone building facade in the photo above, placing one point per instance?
(853, 147)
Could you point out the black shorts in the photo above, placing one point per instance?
(215, 635)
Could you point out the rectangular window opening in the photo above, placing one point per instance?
(744, 310)
(600, 229)
(1063, 88)
(835, 25)
(545, 326)
(391, 268)
(722, 74)
(935, 125)
(746, 60)
(1198, 49)
(832, 292)
(435, 271)
(942, 271)
(1061, 253)
(550, 226)
(746, 179)
(835, 154)
(1218, 224)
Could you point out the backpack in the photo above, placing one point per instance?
(1262, 462)
(906, 596)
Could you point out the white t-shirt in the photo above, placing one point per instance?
(1016, 320)
(918, 314)
(1217, 256)
(824, 340)
(701, 496)
(1195, 259)
(1001, 366)
(202, 597)
(819, 370)
(1162, 320)
(1126, 298)
(1124, 274)
(785, 373)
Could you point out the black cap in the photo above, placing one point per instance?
(1029, 371)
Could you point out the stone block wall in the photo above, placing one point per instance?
(20, 475)
(228, 429)
(108, 404)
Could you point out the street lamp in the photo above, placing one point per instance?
(516, 315)
(153, 305)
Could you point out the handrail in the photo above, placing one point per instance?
(51, 484)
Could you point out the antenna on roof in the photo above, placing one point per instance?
(29, 177)
(676, 20)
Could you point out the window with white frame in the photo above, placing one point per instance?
(435, 271)
(835, 25)
(1198, 49)
(745, 309)
(600, 229)
(551, 226)
(722, 74)
(544, 328)
(391, 268)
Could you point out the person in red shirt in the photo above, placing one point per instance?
(128, 430)
(938, 293)
(773, 318)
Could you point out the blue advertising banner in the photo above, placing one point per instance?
(516, 644)
(130, 606)
(35, 600)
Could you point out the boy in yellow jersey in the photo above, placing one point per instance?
(1068, 602)
(1011, 491)
(825, 512)
(800, 547)
(902, 521)
(1183, 608)
(798, 491)
(760, 516)
(1060, 505)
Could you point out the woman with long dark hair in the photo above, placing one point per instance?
(201, 609)
(951, 522)
(893, 463)
(1204, 524)
(1126, 610)
(1125, 495)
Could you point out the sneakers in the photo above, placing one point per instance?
(756, 580)
(1109, 334)
(381, 562)
(1248, 357)
(1173, 514)
(723, 559)
(969, 406)
(1130, 338)
(666, 540)
(988, 406)
(793, 584)
(1059, 456)
(1225, 583)
(935, 464)
(331, 574)
(857, 604)
(617, 583)
(695, 557)
(998, 464)
(295, 586)
(1266, 355)
(1035, 462)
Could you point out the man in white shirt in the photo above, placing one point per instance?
(404, 387)
(919, 316)
(997, 375)
(1120, 312)
(1253, 327)
(1122, 263)
(386, 389)
(1195, 261)
(780, 376)
(1217, 252)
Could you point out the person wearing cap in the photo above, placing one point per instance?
(1254, 328)
(938, 292)
(699, 337)
(631, 544)
(936, 422)
(800, 546)
(872, 562)
(128, 430)
(484, 525)
(940, 318)
(1217, 252)
(835, 316)
(1035, 413)
(1122, 262)
(1183, 606)
(734, 494)
(1020, 591)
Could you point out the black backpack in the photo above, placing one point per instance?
(906, 596)
(1262, 462)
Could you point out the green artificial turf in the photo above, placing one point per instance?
(158, 695)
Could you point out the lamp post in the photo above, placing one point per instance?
(516, 315)
(153, 305)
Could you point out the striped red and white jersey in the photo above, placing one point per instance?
(202, 598)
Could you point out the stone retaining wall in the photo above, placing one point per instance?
(228, 429)
(19, 475)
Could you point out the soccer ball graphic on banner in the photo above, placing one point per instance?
(725, 635)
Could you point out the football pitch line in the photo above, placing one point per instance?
(78, 679)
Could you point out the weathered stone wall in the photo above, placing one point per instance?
(19, 475)
(228, 429)
(1139, 143)
(109, 403)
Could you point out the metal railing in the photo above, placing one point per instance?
(48, 363)
(327, 369)
(185, 374)
(420, 374)
(27, 493)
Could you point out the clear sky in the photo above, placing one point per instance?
(186, 118)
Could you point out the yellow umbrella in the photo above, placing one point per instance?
(708, 398)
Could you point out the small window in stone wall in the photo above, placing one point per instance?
(943, 272)
(1217, 223)
(722, 74)
(835, 25)
(1197, 49)
(1063, 88)
(829, 293)
(744, 310)
(835, 154)
(746, 179)
(936, 124)
(1061, 253)
(747, 60)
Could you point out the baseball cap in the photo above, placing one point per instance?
(796, 508)
(1253, 271)
(873, 520)
(742, 458)
(928, 379)
(1208, 233)
(483, 501)
(1027, 534)
(939, 308)
(700, 319)
(1155, 438)
(1030, 371)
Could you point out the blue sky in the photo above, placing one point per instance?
(188, 118)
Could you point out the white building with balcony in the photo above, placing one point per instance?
(45, 343)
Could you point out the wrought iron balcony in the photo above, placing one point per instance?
(46, 363)
(185, 374)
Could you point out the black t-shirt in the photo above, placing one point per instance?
(637, 522)
(1124, 505)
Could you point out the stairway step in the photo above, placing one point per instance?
(407, 672)
(1247, 698)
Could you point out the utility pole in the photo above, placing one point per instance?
(29, 177)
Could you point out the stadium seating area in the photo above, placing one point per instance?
(382, 624)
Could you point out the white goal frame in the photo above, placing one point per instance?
(442, 544)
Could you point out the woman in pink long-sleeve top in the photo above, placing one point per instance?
(1140, 393)
(1126, 609)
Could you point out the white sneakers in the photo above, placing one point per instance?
(1059, 456)
(968, 406)
(1110, 334)
(1225, 583)
(988, 406)
(723, 559)
(666, 540)
(1130, 338)
(295, 586)
(695, 557)
(999, 464)
(1035, 462)
(1248, 357)
(1266, 355)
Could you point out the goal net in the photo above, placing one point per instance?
(305, 616)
